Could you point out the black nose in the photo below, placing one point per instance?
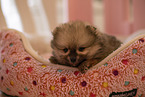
(73, 59)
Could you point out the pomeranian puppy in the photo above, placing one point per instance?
(77, 44)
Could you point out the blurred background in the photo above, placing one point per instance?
(44, 15)
(37, 18)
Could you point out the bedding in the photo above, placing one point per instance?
(24, 73)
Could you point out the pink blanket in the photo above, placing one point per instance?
(23, 73)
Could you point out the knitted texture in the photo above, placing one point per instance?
(22, 75)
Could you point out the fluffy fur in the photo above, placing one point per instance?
(80, 45)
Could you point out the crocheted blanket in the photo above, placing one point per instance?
(24, 73)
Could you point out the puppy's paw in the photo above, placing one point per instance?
(53, 60)
(84, 66)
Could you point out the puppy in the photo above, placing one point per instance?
(77, 44)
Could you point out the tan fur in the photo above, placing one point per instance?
(74, 36)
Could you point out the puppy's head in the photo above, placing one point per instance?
(74, 42)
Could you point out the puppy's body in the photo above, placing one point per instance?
(77, 44)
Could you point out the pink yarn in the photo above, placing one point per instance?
(22, 75)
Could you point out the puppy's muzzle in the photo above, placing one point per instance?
(73, 59)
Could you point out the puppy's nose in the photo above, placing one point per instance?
(73, 59)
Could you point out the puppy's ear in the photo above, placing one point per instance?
(91, 29)
(57, 29)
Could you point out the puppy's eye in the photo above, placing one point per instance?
(65, 50)
(81, 49)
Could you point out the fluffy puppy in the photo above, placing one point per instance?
(77, 44)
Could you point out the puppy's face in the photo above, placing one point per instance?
(73, 43)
